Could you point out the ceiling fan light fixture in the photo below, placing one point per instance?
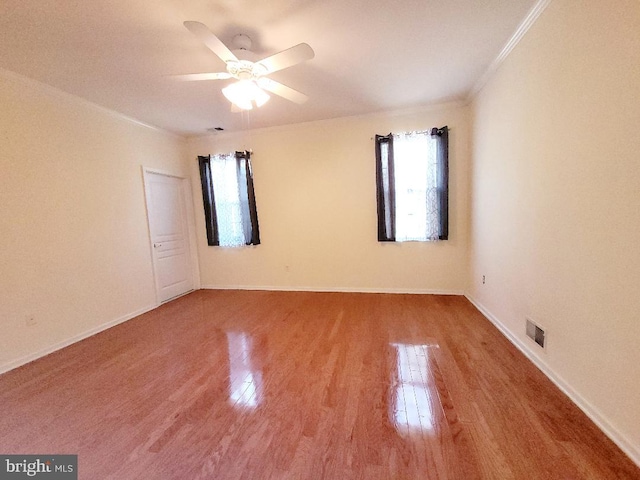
(251, 75)
(244, 93)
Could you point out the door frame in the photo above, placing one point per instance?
(189, 220)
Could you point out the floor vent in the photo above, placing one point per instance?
(535, 333)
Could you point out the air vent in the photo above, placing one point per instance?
(535, 333)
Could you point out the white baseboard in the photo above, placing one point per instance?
(76, 338)
(631, 450)
(591, 411)
(281, 288)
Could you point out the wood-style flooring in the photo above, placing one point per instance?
(274, 385)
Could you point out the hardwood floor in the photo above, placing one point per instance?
(270, 385)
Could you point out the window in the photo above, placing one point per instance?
(412, 186)
(229, 200)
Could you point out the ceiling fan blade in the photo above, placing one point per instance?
(202, 76)
(288, 58)
(282, 90)
(203, 34)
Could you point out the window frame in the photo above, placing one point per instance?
(387, 181)
(249, 217)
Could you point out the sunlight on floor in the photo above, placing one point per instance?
(245, 381)
(413, 398)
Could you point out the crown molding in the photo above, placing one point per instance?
(382, 114)
(520, 32)
(74, 99)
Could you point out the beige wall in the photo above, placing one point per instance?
(554, 216)
(556, 203)
(75, 253)
(315, 190)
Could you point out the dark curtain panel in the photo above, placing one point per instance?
(241, 175)
(208, 199)
(385, 188)
(249, 209)
(441, 135)
(249, 213)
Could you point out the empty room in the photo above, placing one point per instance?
(320, 240)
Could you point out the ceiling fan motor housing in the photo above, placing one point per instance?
(251, 73)
(245, 70)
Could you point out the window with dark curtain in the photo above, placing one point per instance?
(412, 185)
(230, 211)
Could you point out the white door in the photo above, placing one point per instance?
(169, 235)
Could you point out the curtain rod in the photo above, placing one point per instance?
(416, 131)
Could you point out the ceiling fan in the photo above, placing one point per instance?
(252, 80)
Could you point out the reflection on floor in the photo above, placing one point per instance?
(244, 385)
(413, 407)
(231, 385)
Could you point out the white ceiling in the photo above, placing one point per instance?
(371, 55)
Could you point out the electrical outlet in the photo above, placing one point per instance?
(30, 321)
(483, 280)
